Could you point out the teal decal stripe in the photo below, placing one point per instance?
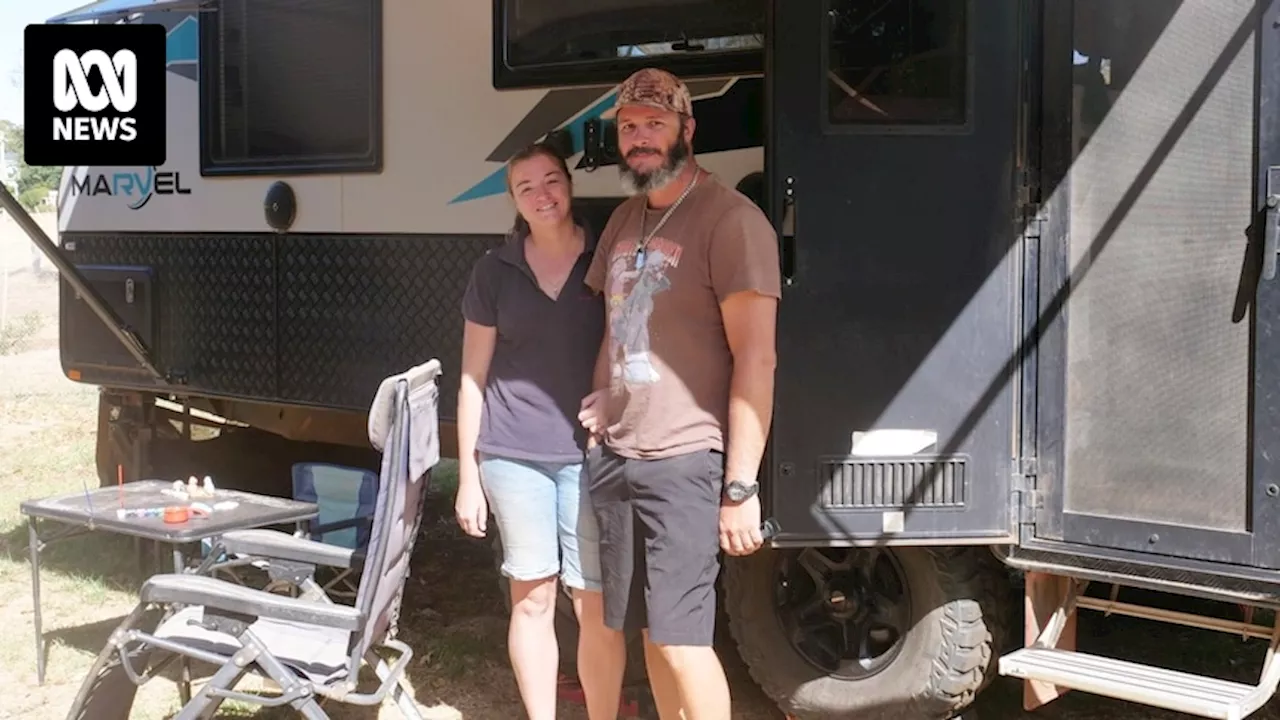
(183, 43)
(496, 184)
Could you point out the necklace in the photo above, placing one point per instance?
(644, 242)
(552, 278)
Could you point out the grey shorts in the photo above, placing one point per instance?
(659, 542)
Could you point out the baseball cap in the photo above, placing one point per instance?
(655, 88)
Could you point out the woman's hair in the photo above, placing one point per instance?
(521, 226)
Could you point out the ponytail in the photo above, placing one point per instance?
(519, 228)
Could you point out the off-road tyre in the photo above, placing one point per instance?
(959, 620)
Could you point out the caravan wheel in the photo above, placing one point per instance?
(867, 632)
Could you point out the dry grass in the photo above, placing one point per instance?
(453, 617)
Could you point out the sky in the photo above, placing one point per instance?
(14, 16)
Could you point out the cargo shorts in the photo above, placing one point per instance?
(659, 531)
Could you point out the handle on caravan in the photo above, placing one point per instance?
(787, 236)
(1271, 224)
(1271, 219)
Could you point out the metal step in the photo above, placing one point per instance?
(1143, 684)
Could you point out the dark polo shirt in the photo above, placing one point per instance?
(544, 357)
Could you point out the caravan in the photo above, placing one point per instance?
(1028, 321)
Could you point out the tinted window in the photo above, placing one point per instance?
(604, 39)
(291, 84)
(897, 62)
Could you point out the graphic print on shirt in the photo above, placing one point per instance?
(631, 292)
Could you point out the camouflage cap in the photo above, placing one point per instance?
(655, 88)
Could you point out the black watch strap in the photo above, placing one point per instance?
(737, 491)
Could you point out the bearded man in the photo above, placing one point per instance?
(683, 392)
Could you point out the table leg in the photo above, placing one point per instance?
(33, 540)
(179, 565)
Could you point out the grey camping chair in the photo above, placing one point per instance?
(311, 647)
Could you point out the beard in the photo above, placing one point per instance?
(635, 181)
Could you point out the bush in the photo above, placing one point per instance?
(31, 198)
(18, 331)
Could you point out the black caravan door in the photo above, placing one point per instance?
(1151, 439)
(893, 148)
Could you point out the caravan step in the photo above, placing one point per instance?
(1143, 684)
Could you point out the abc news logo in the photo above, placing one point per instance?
(95, 95)
(71, 91)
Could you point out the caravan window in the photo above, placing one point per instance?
(551, 42)
(897, 62)
(291, 86)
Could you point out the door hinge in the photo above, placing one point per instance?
(1033, 218)
(1026, 502)
(1028, 466)
(1026, 506)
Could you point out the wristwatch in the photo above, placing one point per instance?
(737, 491)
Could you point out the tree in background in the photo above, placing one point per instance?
(31, 183)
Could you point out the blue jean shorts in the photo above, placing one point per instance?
(545, 520)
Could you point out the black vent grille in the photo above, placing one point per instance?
(928, 481)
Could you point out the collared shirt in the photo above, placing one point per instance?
(544, 358)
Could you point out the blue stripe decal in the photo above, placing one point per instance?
(183, 42)
(496, 183)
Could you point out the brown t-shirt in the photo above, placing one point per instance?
(668, 356)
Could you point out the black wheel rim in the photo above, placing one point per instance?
(846, 611)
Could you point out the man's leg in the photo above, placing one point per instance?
(602, 651)
(666, 693)
(678, 505)
(610, 500)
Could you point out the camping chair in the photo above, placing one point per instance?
(345, 497)
(309, 646)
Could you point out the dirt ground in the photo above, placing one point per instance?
(453, 617)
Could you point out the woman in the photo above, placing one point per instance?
(532, 333)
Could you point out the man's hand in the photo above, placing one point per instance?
(594, 413)
(740, 526)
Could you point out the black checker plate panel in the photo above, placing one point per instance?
(300, 319)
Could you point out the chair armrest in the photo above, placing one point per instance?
(213, 593)
(283, 546)
(355, 522)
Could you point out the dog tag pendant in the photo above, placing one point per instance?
(639, 259)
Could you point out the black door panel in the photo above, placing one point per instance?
(894, 137)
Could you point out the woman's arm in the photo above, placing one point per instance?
(470, 505)
(477, 351)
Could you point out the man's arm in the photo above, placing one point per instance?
(750, 327)
(746, 277)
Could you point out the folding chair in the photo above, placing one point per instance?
(345, 497)
(309, 646)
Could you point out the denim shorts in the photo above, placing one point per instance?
(545, 520)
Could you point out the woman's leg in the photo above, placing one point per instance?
(523, 500)
(602, 651)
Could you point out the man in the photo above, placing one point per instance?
(683, 392)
